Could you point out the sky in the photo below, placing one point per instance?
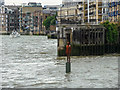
(43, 2)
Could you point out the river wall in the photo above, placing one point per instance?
(85, 40)
(78, 50)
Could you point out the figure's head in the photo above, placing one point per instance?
(68, 43)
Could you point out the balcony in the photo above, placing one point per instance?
(86, 8)
(92, 6)
(109, 4)
(116, 3)
(80, 14)
(86, 14)
(111, 14)
(80, 2)
(115, 13)
(100, 5)
(81, 8)
(91, 13)
(113, 4)
(119, 3)
(92, 20)
(99, 12)
(119, 12)
(64, 21)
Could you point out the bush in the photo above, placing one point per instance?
(112, 32)
(51, 20)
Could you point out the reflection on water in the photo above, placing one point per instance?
(31, 61)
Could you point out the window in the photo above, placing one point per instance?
(104, 10)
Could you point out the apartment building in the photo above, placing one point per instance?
(3, 19)
(84, 11)
(9, 18)
(13, 18)
(93, 11)
(71, 13)
(52, 8)
(114, 10)
(39, 17)
(105, 10)
(2, 2)
(27, 19)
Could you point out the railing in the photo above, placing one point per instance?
(81, 8)
(118, 12)
(63, 21)
(99, 12)
(119, 3)
(91, 13)
(115, 13)
(100, 5)
(86, 8)
(113, 4)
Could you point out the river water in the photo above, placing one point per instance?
(32, 62)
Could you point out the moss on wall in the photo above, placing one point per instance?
(78, 50)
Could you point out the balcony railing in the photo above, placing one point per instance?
(86, 14)
(100, 5)
(118, 12)
(81, 8)
(80, 2)
(119, 3)
(115, 13)
(91, 13)
(64, 21)
(113, 4)
(100, 13)
(86, 8)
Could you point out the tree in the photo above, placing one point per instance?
(119, 24)
(51, 20)
(112, 32)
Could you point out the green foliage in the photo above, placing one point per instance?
(51, 20)
(119, 24)
(112, 32)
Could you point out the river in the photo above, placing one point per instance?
(32, 62)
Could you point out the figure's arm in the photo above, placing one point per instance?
(66, 49)
(70, 49)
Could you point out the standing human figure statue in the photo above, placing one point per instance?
(68, 51)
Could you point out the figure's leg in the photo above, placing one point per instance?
(67, 58)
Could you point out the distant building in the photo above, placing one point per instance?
(105, 10)
(2, 2)
(13, 18)
(93, 11)
(9, 18)
(39, 17)
(3, 19)
(114, 10)
(27, 16)
(66, 1)
(52, 8)
(38, 22)
(71, 13)
(83, 12)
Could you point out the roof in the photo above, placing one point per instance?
(46, 11)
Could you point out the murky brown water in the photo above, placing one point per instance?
(31, 61)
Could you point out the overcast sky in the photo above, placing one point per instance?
(44, 2)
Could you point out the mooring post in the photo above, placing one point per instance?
(68, 52)
(68, 67)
